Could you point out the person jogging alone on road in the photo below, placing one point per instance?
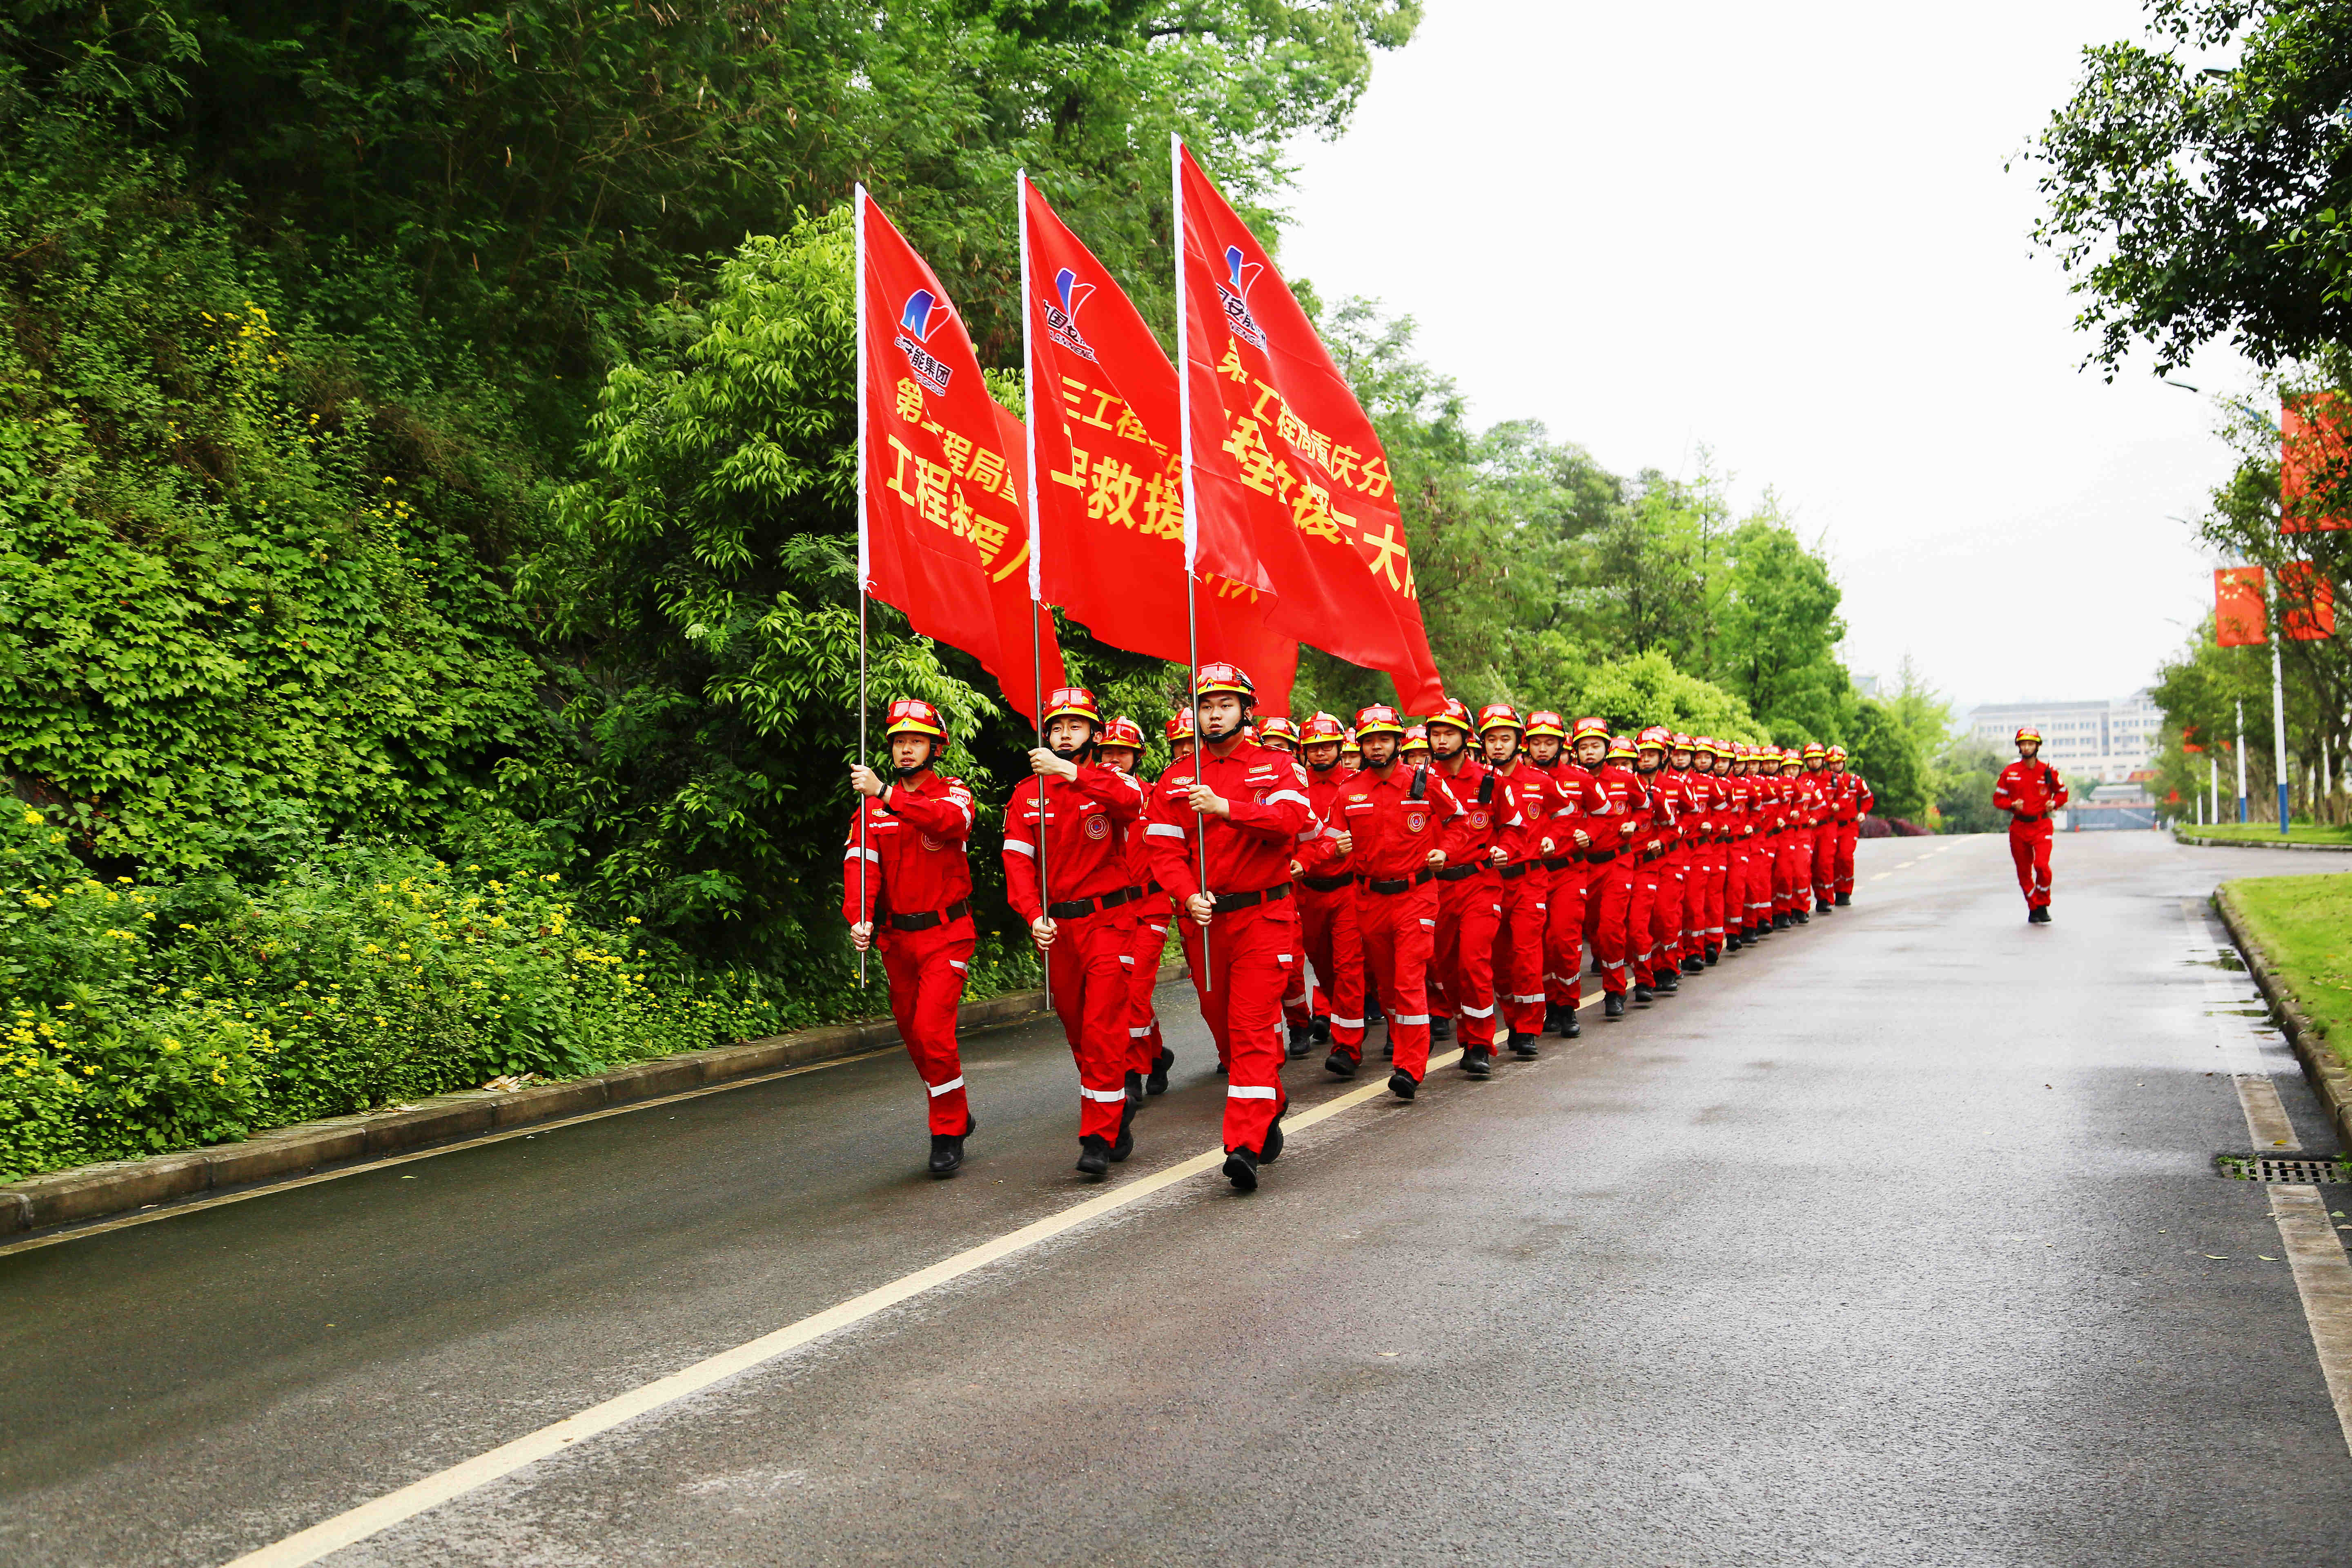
(2029, 790)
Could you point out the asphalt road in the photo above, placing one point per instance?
(1897, 1241)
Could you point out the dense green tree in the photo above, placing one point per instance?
(1781, 629)
(1888, 758)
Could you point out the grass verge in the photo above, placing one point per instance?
(2268, 832)
(2304, 925)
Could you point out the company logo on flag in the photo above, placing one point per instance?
(925, 313)
(1234, 292)
(1061, 310)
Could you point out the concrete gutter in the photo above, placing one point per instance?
(2179, 838)
(93, 1191)
(2330, 1079)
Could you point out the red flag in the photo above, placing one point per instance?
(1291, 491)
(1108, 493)
(942, 532)
(2306, 603)
(2240, 619)
(2312, 456)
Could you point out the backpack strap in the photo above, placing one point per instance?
(1419, 783)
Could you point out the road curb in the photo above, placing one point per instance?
(2260, 843)
(114, 1186)
(2329, 1077)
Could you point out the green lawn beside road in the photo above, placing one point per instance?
(2268, 832)
(2304, 926)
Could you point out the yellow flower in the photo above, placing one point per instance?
(34, 818)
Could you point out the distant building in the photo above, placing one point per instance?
(2112, 739)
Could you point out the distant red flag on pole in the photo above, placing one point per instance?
(2313, 458)
(1291, 489)
(1110, 486)
(2306, 603)
(2239, 617)
(943, 534)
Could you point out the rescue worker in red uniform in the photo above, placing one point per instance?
(1796, 844)
(907, 889)
(1469, 897)
(1326, 900)
(1818, 778)
(1415, 750)
(1300, 1008)
(1576, 827)
(1855, 803)
(1757, 835)
(1394, 823)
(1065, 874)
(2030, 789)
(1655, 969)
(1523, 885)
(1703, 881)
(1148, 1058)
(1248, 807)
(1608, 895)
(1279, 735)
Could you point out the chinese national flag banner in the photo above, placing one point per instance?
(2240, 619)
(2306, 603)
(2313, 457)
(1110, 490)
(943, 533)
(1291, 490)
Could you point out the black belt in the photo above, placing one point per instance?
(1395, 884)
(1075, 908)
(1598, 857)
(1455, 873)
(1556, 862)
(1229, 902)
(2037, 816)
(1327, 884)
(929, 918)
(1515, 869)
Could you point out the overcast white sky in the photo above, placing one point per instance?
(1783, 233)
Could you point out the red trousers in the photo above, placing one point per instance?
(1666, 910)
(1519, 957)
(2029, 847)
(1760, 881)
(1564, 936)
(1253, 957)
(1825, 843)
(1461, 971)
(1147, 943)
(1842, 876)
(1794, 871)
(1326, 926)
(1398, 931)
(1088, 969)
(927, 971)
(1717, 871)
(1608, 909)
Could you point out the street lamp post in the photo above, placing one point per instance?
(2241, 762)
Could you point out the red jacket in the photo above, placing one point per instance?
(1582, 806)
(1653, 816)
(1394, 831)
(2027, 791)
(1086, 822)
(915, 837)
(1536, 795)
(1249, 851)
(1319, 857)
(1629, 806)
(1484, 824)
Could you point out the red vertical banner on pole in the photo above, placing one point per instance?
(942, 470)
(2240, 617)
(2313, 460)
(2306, 603)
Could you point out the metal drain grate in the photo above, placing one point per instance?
(2313, 1170)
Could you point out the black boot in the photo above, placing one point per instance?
(1523, 1044)
(1478, 1062)
(1373, 1014)
(1779, 920)
(1694, 964)
(2040, 917)
(1271, 1149)
(1094, 1155)
(1441, 1029)
(1802, 918)
(1713, 953)
(1644, 993)
(1158, 1082)
(1241, 1170)
(1320, 1030)
(1571, 1028)
(1552, 1018)
(1302, 1040)
(1613, 1007)
(1668, 984)
(1340, 1063)
(1134, 1094)
(1844, 901)
(947, 1148)
(1402, 1085)
(1125, 1146)
(1822, 906)
(1733, 940)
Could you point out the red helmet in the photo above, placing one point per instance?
(1320, 728)
(1216, 678)
(1415, 740)
(1837, 754)
(1589, 727)
(1705, 743)
(2028, 733)
(1656, 738)
(1544, 722)
(1456, 714)
(1073, 702)
(1380, 719)
(1278, 731)
(1123, 732)
(1350, 747)
(1620, 748)
(1682, 742)
(1179, 728)
(1500, 716)
(1813, 749)
(913, 716)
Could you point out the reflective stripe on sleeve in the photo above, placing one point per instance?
(1290, 794)
(1020, 847)
(853, 852)
(1163, 830)
(959, 965)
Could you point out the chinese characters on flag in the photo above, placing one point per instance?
(943, 531)
(1109, 498)
(1291, 490)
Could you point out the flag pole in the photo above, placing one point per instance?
(1191, 536)
(1036, 568)
(865, 572)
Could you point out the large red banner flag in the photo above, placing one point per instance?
(2240, 620)
(942, 532)
(2313, 460)
(2306, 603)
(1107, 488)
(1290, 490)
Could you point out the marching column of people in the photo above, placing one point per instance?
(1324, 876)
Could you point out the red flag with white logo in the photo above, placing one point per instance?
(1291, 490)
(943, 533)
(1109, 502)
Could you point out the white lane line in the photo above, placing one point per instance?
(2322, 1277)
